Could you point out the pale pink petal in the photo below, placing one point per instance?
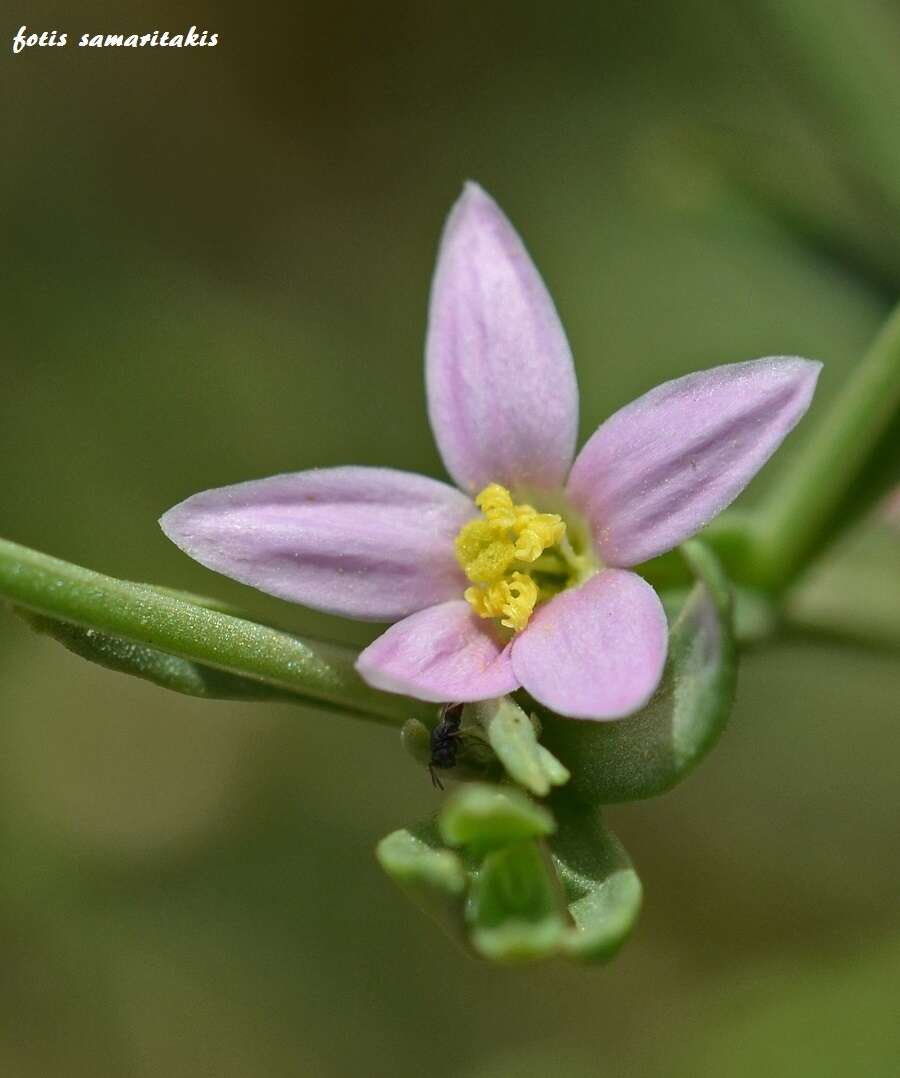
(596, 651)
(369, 543)
(502, 395)
(663, 466)
(446, 653)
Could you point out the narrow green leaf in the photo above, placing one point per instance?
(139, 660)
(312, 671)
(512, 736)
(649, 752)
(202, 600)
(602, 888)
(514, 906)
(482, 817)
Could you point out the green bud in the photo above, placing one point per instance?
(514, 738)
(482, 817)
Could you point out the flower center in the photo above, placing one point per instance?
(515, 557)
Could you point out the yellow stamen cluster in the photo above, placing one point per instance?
(489, 548)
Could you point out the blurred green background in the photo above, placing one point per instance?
(215, 267)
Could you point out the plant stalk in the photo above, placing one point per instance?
(827, 484)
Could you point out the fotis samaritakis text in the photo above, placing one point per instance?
(27, 38)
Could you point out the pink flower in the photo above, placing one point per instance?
(537, 590)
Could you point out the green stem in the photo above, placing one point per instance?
(826, 487)
(849, 604)
(314, 672)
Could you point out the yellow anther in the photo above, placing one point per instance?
(522, 594)
(492, 562)
(543, 530)
(488, 548)
(484, 551)
(497, 505)
(511, 600)
(485, 601)
(473, 538)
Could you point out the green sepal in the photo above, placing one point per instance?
(482, 817)
(513, 737)
(514, 909)
(755, 617)
(602, 889)
(653, 750)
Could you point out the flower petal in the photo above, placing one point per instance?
(445, 653)
(663, 466)
(596, 651)
(502, 394)
(369, 543)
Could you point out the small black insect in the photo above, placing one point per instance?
(445, 741)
